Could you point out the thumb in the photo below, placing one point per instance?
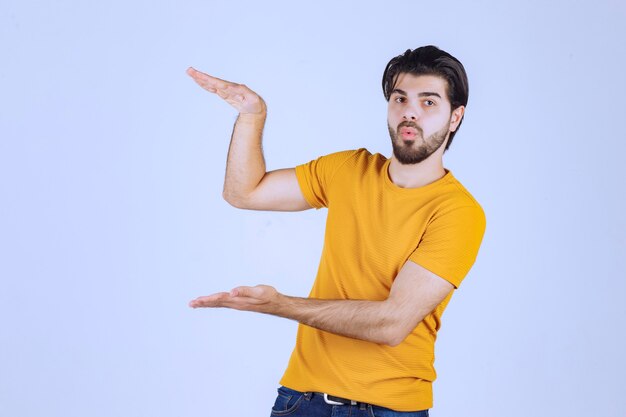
(241, 292)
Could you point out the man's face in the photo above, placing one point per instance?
(418, 117)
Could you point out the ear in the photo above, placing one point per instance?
(456, 117)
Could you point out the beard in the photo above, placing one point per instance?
(409, 152)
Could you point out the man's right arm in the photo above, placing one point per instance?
(247, 184)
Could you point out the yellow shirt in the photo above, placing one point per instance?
(373, 227)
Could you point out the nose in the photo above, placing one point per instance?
(410, 113)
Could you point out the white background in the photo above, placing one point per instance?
(111, 217)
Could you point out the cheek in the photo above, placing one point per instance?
(433, 126)
(441, 121)
(393, 118)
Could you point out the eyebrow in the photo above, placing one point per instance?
(424, 94)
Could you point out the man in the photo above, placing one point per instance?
(401, 234)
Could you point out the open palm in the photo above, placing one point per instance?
(239, 96)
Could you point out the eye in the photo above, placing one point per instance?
(429, 103)
(399, 99)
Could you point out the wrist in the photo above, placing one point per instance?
(261, 112)
(251, 118)
(281, 305)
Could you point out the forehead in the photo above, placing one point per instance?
(415, 84)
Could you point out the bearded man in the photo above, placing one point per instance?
(401, 235)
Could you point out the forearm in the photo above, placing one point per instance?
(384, 322)
(372, 321)
(415, 293)
(245, 166)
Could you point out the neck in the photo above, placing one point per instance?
(417, 175)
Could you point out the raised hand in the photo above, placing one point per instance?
(239, 96)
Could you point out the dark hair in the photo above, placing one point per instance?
(430, 60)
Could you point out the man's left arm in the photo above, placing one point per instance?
(414, 293)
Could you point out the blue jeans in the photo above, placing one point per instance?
(311, 404)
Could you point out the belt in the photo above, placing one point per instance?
(332, 400)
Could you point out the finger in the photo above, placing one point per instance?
(240, 292)
(223, 93)
(191, 71)
(213, 300)
(250, 292)
(206, 80)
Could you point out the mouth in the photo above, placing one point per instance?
(408, 133)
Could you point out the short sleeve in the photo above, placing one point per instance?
(315, 177)
(450, 243)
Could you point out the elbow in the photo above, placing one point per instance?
(234, 200)
(393, 325)
(392, 335)
(395, 338)
(396, 333)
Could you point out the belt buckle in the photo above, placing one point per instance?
(331, 402)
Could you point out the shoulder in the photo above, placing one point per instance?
(460, 193)
(318, 177)
(361, 154)
(348, 159)
(455, 198)
(362, 159)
